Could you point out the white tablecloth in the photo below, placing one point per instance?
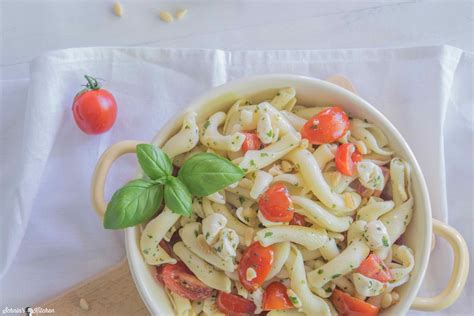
(52, 239)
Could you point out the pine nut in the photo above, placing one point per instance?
(165, 16)
(386, 300)
(181, 13)
(117, 8)
(83, 304)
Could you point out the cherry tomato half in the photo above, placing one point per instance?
(234, 305)
(258, 258)
(299, 220)
(275, 297)
(347, 305)
(346, 158)
(180, 280)
(326, 127)
(373, 267)
(251, 142)
(275, 204)
(94, 109)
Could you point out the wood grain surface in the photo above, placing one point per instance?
(111, 292)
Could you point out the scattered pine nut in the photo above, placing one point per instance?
(181, 13)
(286, 166)
(386, 300)
(117, 8)
(83, 304)
(395, 296)
(165, 16)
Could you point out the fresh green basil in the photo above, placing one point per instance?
(139, 200)
(207, 173)
(154, 162)
(177, 197)
(133, 204)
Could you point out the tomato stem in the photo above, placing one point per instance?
(92, 83)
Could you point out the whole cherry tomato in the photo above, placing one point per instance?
(326, 127)
(276, 204)
(94, 109)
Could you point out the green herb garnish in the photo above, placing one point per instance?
(139, 200)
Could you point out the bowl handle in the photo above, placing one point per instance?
(102, 170)
(458, 276)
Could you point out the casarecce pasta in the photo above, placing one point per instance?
(314, 223)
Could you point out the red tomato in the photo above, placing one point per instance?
(166, 247)
(258, 258)
(326, 127)
(299, 220)
(356, 156)
(234, 305)
(275, 204)
(94, 109)
(386, 177)
(373, 267)
(180, 280)
(275, 297)
(251, 142)
(347, 305)
(159, 274)
(346, 158)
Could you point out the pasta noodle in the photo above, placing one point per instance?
(311, 304)
(211, 137)
(283, 97)
(322, 217)
(206, 273)
(308, 237)
(152, 235)
(186, 139)
(349, 259)
(257, 159)
(360, 130)
(189, 235)
(374, 209)
(245, 233)
(281, 251)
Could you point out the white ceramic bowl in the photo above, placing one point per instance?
(310, 92)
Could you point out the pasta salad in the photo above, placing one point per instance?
(273, 207)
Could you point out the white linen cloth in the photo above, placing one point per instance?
(52, 238)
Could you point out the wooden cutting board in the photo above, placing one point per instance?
(111, 292)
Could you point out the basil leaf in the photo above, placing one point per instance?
(208, 173)
(133, 204)
(177, 197)
(154, 162)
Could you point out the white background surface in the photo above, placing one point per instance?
(30, 28)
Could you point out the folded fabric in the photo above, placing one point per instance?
(46, 171)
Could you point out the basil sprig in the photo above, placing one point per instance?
(137, 201)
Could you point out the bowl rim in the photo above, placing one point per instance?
(279, 80)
